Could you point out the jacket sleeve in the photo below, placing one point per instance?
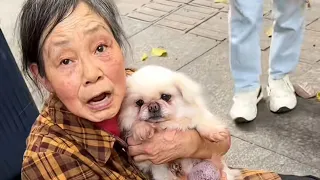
(55, 166)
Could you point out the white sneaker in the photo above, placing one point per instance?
(244, 108)
(281, 95)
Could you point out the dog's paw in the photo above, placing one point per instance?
(142, 131)
(216, 134)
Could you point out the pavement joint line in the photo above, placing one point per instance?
(200, 55)
(152, 9)
(207, 37)
(275, 152)
(159, 19)
(166, 4)
(146, 14)
(311, 23)
(201, 22)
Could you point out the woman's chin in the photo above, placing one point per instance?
(100, 116)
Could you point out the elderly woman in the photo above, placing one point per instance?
(74, 49)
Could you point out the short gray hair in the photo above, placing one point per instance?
(38, 15)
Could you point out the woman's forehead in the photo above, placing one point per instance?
(81, 19)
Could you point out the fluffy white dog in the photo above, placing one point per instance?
(169, 100)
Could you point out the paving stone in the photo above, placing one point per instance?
(208, 3)
(182, 1)
(160, 7)
(225, 8)
(168, 3)
(311, 40)
(310, 56)
(127, 6)
(264, 39)
(133, 26)
(182, 19)
(174, 24)
(182, 48)
(209, 34)
(189, 13)
(143, 17)
(248, 155)
(204, 10)
(217, 23)
(151, 12)
(315, 26)
(214, 28)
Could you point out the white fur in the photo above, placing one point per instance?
(186, 110)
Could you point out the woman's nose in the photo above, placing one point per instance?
(91, 73)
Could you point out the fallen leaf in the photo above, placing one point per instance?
(160, 52)
(318, 96)
(144, 57)
(269, 32)
(221, 1)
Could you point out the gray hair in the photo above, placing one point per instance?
(38, 18)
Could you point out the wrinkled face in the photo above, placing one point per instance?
(84, 65)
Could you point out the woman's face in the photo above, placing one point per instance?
(85, 66)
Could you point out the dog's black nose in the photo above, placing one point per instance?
(154, 107)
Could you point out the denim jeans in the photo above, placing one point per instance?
(245, 23)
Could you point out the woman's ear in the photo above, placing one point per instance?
(44, 81)
(190, 90)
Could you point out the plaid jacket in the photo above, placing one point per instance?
(64, 146)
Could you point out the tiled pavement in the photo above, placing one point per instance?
(195, 34)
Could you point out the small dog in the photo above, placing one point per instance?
(169, 100)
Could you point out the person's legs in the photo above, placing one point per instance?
(285, 52)
(245, 20)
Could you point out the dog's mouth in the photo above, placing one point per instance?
(156, 119)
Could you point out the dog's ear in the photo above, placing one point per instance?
(189, 89)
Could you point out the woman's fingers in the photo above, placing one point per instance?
(140, 158)
(132, 142)
(136, 150)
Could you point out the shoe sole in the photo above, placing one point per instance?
(282, 110)
(244, 120)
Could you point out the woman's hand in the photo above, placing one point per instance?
(163, 147)
(166, 146)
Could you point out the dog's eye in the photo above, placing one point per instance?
(140, 102)
(166, 97)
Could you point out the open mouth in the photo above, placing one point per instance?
(98, 98)
(101, 101)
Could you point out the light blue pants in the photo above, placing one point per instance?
(245, 24)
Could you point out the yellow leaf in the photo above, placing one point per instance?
(221, 1)
(144, 57)
(269, 31)
(160, 52)
(318, 96)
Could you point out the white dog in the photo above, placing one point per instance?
(171, 100)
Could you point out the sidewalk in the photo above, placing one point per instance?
(195, 34)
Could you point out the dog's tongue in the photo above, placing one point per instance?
(98, 98)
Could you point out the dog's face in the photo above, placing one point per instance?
(154, 94)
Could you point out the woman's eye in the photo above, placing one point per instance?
(65, 61)
(101, 49)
